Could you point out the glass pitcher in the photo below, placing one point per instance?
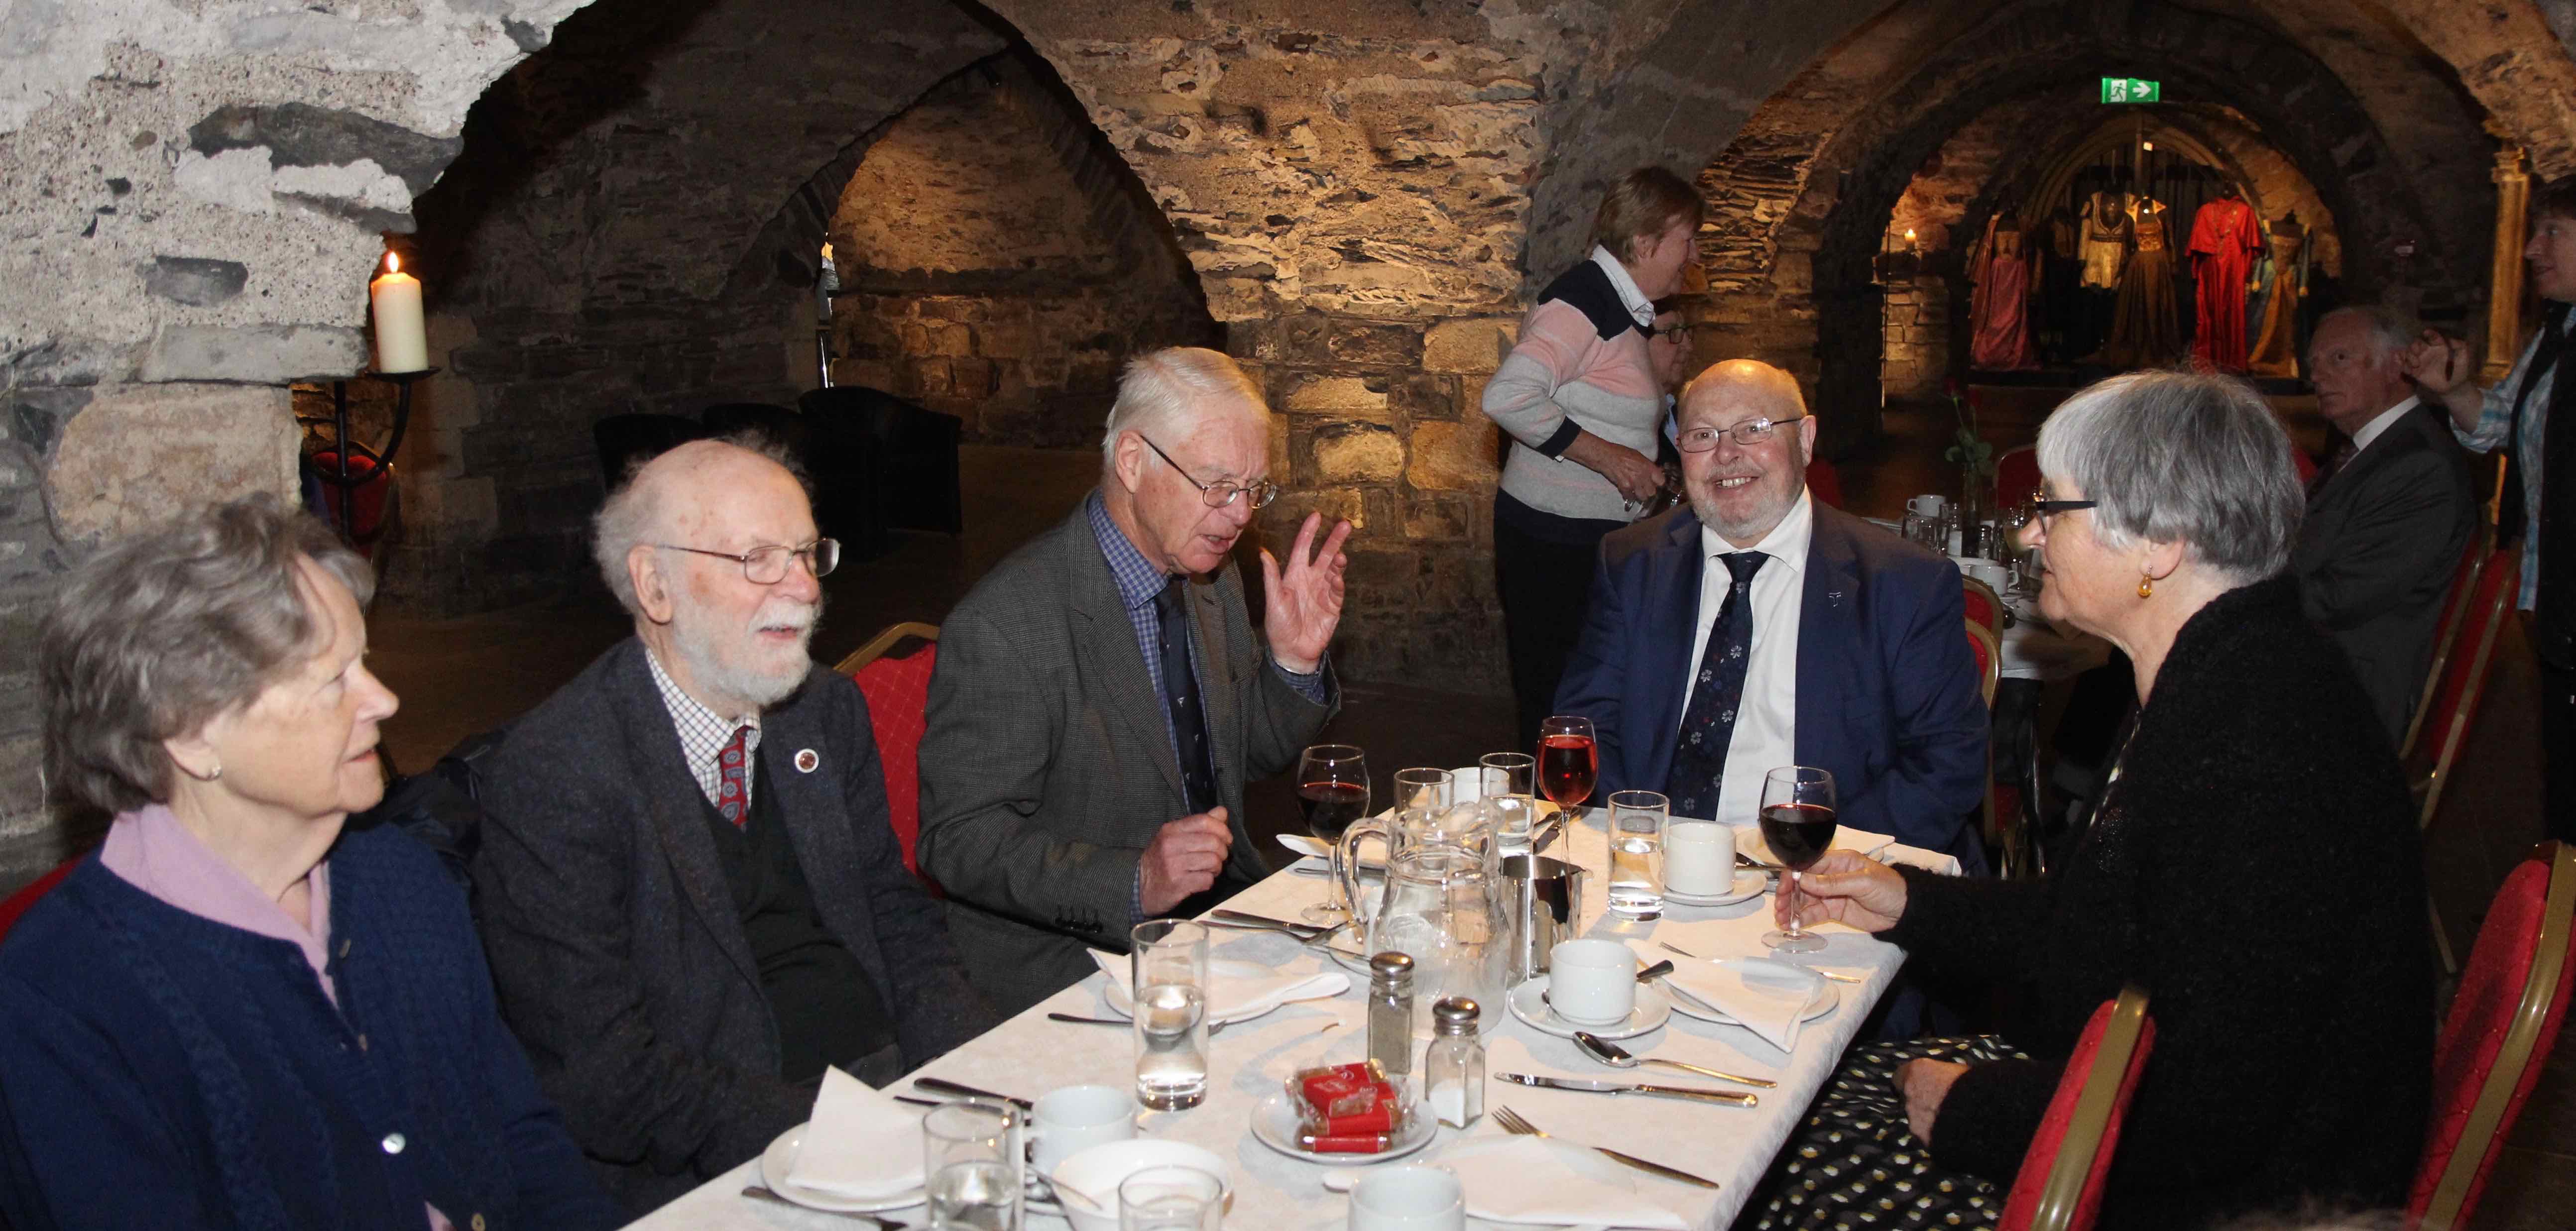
(1437, 908)
(1475, 826)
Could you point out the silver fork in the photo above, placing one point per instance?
(1838, 978)
(1512, 1121)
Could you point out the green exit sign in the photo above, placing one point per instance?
(2131, 90)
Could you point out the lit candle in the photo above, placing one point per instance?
(1909, 238)
(402, 340)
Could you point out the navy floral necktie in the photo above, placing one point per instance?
(1699, 752)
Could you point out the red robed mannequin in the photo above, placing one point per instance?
(2224, 239)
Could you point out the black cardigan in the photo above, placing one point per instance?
(2257, 870)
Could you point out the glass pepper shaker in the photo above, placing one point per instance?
(1390, 1016)
(1453, 1067)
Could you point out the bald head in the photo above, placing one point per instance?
(675, 494)
(1742, 383)
(1742, 488)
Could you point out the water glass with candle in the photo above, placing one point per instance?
(1168, 975)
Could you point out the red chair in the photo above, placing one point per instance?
(898, 690)
(2016, 476)
(2499, 1034)
(1985, 609)
(1824, 482)
(17, 903)
(2446, 633)
(2059, 1187)
(2451, 704)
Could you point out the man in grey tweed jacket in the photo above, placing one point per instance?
(1101, 697)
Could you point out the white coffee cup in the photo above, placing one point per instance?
(1699, 857)
(1927, 505)
(1070, 1119)
(1408, 1198)
(1592, 981)
(1466, 784)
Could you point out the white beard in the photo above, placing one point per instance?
(719, 659)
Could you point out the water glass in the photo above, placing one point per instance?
(1422, 791)
(971, 1156)
(1171, 1199)
(1510, 780)
(1636, 887)
(1168, 972)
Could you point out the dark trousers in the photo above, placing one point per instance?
(2558, 750)
(1545, 580)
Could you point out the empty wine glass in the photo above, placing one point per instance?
(1798, 824)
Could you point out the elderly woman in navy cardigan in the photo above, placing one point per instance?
(239, 1013)
(2253, 866)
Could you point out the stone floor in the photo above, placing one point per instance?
(460, 676)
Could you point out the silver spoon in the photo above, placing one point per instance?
(1618, 1057)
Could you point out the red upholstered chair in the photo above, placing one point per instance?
(1989, 656)
(1985, 609)
(898, 689)
(1824, 482)
(2502, 1025)
(2446, 633)
(2016, 476)
(2450, 705)
(17, 903)
(2059, 1187)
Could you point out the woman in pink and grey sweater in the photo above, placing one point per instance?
(1579, 397)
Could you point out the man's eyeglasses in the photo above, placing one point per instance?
(2039, 506)
(1678, 333)
(1219, 494)
(764, 566)
(1748, 433)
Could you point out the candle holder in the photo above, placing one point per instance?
(338, 476)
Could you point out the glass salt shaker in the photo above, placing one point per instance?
(1390, 1015)
(1453, 1067)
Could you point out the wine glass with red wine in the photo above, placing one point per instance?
(1798, 824)
(1333, 788)
(1568, 762)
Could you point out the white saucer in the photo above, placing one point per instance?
(781, 1155)
(1749, 885)
(1218, 968)
(1826, 998)
(1274, 1124)
(1652, 1010)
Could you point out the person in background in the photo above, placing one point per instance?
(1583, 403)
(2514, 416)
(2253, 868)
(1101, 698)
(692, 897)
(2388, 514)
(240, 1012)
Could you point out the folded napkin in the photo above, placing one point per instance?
(859, 1143)
(1534, 1181)
(1930, 861)
(1764, 995)
(1234, 997)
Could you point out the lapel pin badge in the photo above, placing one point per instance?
(806, 760)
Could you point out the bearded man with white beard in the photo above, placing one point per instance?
(687, 886)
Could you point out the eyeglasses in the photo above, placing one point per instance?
(2039, 506)
(1219, 494)
(1678, 332)
(1750, 432)
(767, 566)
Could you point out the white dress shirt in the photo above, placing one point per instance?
(2380, 423)
(1766, 724)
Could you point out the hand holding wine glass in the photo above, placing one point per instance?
(1797, 824)
(1333, 787)
(1846, 887)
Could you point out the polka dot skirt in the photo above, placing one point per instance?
(1855, 1165)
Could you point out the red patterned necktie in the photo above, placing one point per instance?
(731, 798)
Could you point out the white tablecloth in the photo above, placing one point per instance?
(1029, 1055)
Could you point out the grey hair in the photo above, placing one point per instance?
(162, 632)
(1172, 390)
(2181, 457)
(634, 513)
(2390, 333)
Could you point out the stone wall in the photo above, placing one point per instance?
(1000, 263)
(1914, 356)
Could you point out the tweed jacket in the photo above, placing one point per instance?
(1047, 766)
(615, 944)
(2376, 550)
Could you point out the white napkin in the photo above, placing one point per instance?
(1235, 999)
(1765, 995)
(1930, 861)
(1531, 1180)
(859, 1143)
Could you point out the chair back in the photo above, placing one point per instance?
(1985, 607)
(2502, 1025)
(1824, 482)
(2059, 1187)
(2446, 633)
(1989, 652)
(898, 693)
(17, 903)
(2016, 476)
(2451, 704)
(627, 441)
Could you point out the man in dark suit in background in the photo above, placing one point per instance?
(1756, 628)
(2389, 512)
(1101, 698)
(687, 885)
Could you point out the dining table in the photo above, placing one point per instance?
(1733, 1146)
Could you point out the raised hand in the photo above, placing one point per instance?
(2437, 364)
(1304, 600)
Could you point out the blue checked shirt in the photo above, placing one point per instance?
(1139, 580)
(2495, 423)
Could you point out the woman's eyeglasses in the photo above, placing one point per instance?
(2039, 506)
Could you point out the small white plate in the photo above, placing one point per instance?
(1274, 1124)
(781, 1155)
(1218, 968)
(1749, 885)
(1826, 998)
(1652, 1010)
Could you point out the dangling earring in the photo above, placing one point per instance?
(2146, 586)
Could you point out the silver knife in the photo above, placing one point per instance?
(1264, 921)
(942, 1085)
(1730, 1097)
